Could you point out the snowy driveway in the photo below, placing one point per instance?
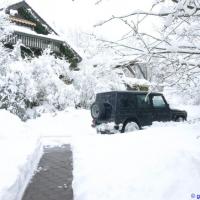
(159, 162)
(154, 164)
(53, 180)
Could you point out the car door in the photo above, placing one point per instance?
(161, 111)
(144, 109)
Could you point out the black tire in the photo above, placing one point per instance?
(180, 119)
(137, 127)
(97, 111)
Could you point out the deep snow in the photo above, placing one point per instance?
(20, 152)
(154, 164)
(159, 162)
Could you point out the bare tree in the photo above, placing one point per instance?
(173, 53)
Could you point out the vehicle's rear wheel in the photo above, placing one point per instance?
(180, 119)
(97, 110)
(130, 126)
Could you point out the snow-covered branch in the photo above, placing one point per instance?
(172, 53)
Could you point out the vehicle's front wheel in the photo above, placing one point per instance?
(129, 127)
(180, 119)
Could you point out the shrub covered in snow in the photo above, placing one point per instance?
(45, 84)
(29, 87)
(91, 80)
(5, 25)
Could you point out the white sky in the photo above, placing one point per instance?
(64, 15)
(67, 16)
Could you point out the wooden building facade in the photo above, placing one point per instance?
(36, 34)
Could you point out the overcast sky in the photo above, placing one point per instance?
(68, 15)
(65, 15)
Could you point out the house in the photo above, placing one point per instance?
(36, 35)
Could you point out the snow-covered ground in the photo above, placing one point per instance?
(159, 162)
(71, 122)
(20, 152)
(21, 145)
(152, 164)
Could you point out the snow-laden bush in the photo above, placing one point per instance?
(29, 87)
(91, 80)
(45, 84)
(5, 25)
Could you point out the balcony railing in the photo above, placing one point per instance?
(34, 41)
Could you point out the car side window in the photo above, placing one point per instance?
(143, 101)
(158, 102)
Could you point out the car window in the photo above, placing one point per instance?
(158, 102)
(143, 101)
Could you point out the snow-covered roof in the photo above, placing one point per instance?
(29, 31)
(15, 5)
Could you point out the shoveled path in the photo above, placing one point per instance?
(53, 178)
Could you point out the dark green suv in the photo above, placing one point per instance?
(128, 110)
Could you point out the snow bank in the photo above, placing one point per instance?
(160, 162)
(193, 111)
(71, 122)
(20, 152)
(152, 164)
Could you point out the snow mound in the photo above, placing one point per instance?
(20, 152)
(71, 122)
(11, 125)
(155, 163)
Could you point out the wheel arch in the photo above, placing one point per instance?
(176, 116)
(180, 115)
(130, 119)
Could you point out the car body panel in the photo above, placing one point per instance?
(142, 107)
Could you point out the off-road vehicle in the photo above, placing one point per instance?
(129, 110)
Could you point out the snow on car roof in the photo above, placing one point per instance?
(130, 91)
